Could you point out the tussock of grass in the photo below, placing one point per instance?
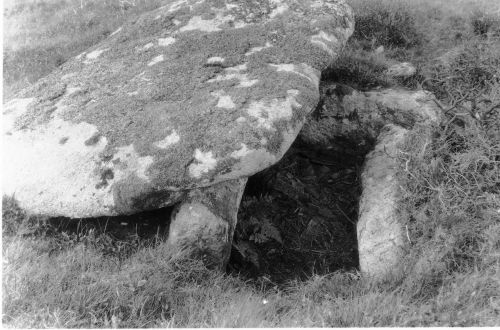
(484, 23)
(386, 23)
(452, 199)
(361, 69)
(468, 78)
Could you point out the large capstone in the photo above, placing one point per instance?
(186, 96)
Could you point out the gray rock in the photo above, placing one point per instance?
(203, 225)
(360, 116)
(190, 95)
(381, 236)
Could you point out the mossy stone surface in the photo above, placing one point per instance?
(186, 96)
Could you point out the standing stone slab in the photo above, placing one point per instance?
(189, 95)
(381, 238)
(203, 225)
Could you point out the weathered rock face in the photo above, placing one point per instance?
(186, 96)
(360, 116)
(381, 236)
(204, 224)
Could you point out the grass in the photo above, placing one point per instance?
(41, 35)
(120, 273)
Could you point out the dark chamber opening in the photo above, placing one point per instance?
(298, 218)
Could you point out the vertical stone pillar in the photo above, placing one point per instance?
(204, 223)
(381, 236)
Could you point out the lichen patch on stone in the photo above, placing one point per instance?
(205, 162)
(115, 32)
(156, 60)
(303, 70)
(206, 25)
(254, 50)
(71, 90)
(68, 75)
(280, 8)
(222, 20)
(268, 112)
(147, 46)
(131, 162)
(242, 152)
(231, 6)
(177, 5)
(324, 41)
(55, 163)
(224, 101)
(215, 60)
(61, 104)
(169, 140)
(166, 41)
(95, 54)
(235, 73)
(184, 4)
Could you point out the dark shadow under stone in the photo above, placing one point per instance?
(144, 225)
(117, 236)
(298, 218)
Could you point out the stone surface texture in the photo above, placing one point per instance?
(203, 225)
(192, 94)
(381, 236)
(360, 116)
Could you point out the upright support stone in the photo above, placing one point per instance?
(381, 238)
(204, 223)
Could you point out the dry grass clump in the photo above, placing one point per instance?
(452, 191)
(452, 199)
(358, 68)
(484, 23)
(452, 186)
(385, 23)
(467, 77)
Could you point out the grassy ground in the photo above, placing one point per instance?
(41, 35)
(119, 273)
